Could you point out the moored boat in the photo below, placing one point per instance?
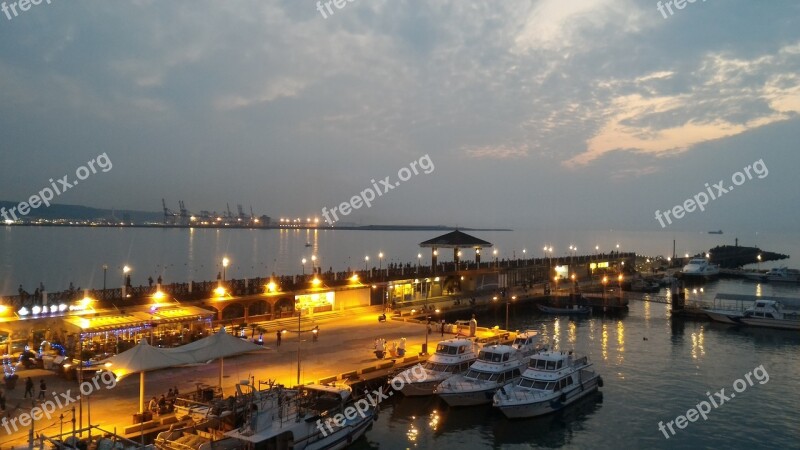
(305, 418)
(699, 268)
(770, 314)
(496, 366)
(575, 309)
(729, 316)
(452, 356)
(783, 275)
(552, 381)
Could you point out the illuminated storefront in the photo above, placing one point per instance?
(315, 302)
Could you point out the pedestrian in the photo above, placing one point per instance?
(159, 280)
(28, 387)
(150, 281)
(442, 327)
(153, 405)
(278, 335)
(315, 333)
(42, 389)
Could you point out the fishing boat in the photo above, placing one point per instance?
(715, 232)
(552, 381)
(313, 417)
(770, 314)
(496, 366)
(575, 309)
(452, 357)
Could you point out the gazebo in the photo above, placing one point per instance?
(455, 240)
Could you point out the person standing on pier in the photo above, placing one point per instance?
(278, 336)
(28, 387)
(42, 389)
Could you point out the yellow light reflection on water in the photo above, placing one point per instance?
(604, 343)
(620, 341)
(698, 349)
(434, 421)
(571, 333)
(556, 333)
(758, 290)
(412, 432)
(646, 311)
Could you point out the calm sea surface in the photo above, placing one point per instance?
(57, 256)
(646, 380)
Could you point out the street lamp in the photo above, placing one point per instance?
(555, 278)
(419, 259)
(313, 263)
(380, 262)
(304, 265)
(495, 257)
(605, 282)
(619, 279)
(225, 262)
(759, 261)
(105, 268)
(573, 283)
(513, 297)
(366, 260)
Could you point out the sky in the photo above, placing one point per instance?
(531, 114)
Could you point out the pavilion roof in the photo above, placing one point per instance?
(455, 239)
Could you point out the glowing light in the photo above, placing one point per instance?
(219, 291)
(354, 277)
(126, 269)
(158, 295)
(271, 286)
(36, 310)
(62, 307)
(225, 262)
(316, 281)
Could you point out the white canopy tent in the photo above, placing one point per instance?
(144, 357)
(217, 346)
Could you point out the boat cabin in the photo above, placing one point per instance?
(766, 309)
(526, 339)
(495, 354)
(454, 347)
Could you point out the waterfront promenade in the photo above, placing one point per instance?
(345, 344)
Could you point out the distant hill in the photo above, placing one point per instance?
(77, 212)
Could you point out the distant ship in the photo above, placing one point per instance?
(715, 232)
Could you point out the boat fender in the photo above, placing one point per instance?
(563, 398)
(600, 381)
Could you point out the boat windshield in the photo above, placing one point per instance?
(492, 357)
(520, 341)
(536, 384)
(439, 367)
(445, 349)
(480, 375)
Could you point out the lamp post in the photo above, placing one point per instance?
(419, 259)
(605, 281)
(495, 257)
(573, 283)
(524, 255)
(313, 263)
(304, 265)
(513, 297)
(366, 260)
(759, 261)
(105, 269)
(555, 278)
(619, 279)
(225, 262)
(380, 262)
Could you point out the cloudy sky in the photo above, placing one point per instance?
(550, 113)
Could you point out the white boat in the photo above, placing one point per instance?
(770, 313)
(699, 268)
(784, 275)
(729, 316)
(496, 366)
(452, 357)
(281, 418)
(755, 276)
(552, 381)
